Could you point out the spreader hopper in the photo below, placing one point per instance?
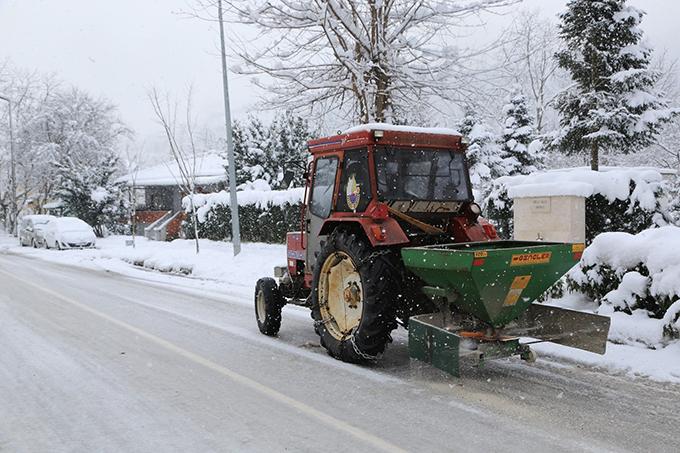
(496, 284)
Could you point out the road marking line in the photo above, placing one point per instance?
(329, 420)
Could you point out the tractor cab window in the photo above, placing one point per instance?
(421, 174)
(324, 182)
(354, 191)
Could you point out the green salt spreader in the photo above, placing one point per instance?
(486, 294)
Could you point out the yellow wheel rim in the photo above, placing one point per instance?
(341, 295)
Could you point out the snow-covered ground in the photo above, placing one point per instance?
(215, 270)
(626, 352)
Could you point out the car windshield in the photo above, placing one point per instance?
(421, 174)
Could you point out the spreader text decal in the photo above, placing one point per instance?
(525, 259)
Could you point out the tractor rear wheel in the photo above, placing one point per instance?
(354, 293)
(268, 305)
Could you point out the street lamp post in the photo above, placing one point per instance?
(12, 175)
(235, 224)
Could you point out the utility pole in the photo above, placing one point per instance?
(12, 174)
(233, 201)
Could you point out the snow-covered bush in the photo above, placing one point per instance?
(617, 199)
(635, 274)
(265, 215)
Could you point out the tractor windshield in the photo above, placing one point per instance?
(421, 174)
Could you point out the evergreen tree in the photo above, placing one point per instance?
(88, 190)
(274, 153)
(242, 157)
(518, 143)
(613, 105)
(483, 153)
(289, 139)
(252, 153)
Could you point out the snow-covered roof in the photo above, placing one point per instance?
(392, 127)
(210, 169)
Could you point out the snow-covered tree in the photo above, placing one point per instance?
(369, 60)
(613, 104)
(253, 153)
(289, 139)
(81, 137)
(56, 129)
(274, 154)
(32, 96)
(484, 153)
(524, 151)
(88, 190)
(81, 127)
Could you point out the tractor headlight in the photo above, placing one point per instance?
(475, 209)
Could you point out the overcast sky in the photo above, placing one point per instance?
(118, 49)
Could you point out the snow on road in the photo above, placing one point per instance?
(216, 272)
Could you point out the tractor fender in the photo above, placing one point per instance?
(383, 232)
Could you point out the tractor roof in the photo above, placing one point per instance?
(388, 134)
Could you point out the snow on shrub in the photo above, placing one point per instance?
(266, 215)
(635, 274)
(617, 199)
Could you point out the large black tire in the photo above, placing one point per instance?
(378, 269)
(268, 305)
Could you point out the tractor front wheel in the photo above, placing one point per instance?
(268, 305)
(354, 294)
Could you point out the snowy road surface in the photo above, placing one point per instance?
(95, 361)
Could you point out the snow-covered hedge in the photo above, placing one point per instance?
(265, 215)
(617, 199)
(635, 274)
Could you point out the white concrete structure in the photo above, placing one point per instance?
(553, 218)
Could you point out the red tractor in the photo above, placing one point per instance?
(370, 192)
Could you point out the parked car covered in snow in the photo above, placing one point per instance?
(68, 233)
(31, 229)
